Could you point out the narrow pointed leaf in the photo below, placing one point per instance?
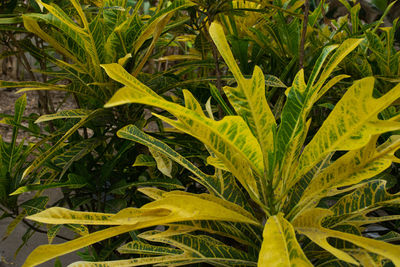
(248, 98)
(280, 246)
(352, 168)
(351, 124)
(309, 224)
(65, 114)
(230, 138)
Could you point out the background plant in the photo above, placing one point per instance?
(77, 149)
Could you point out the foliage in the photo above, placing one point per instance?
(313, 183)
(77, 149)
(283, 181)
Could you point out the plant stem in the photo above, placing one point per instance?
(42, 231)
(303, 33)
(217, 67)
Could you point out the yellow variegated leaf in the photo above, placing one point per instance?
(118, 73)
(366, 259)
(180, 57)
(138, 247)
(32, 26)
(280, 246)
(216, 163)
(309, 224)
(222, 184)
(60, 143)
(58, 13)
(124, 59)
(150, 27)
(44, 253)
(351, 124)
(151, 192)
(248, 98)
(174, 206)
(145, 261)
(353, 208)
(329, 84)
(57, 215)
(191, 249)
(65, 114)
(344, 49)
(300, 100)
(230, 138)
(164, 164)
(191, 103)
(156, 34)
(197, 248)
(352, 168)
(144, 160)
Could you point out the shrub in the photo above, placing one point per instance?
(280, 212)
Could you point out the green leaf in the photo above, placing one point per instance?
(74, 153)
(144, 160)
(12, 152)
(35, 205)
(73, 182)
(131, 132)
(52, 232)
(217, 96)
(60, 143)
(11, 20)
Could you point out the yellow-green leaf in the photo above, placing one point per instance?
(309, 224)
(280, 246)
(230, 138)
(351, 124)
(32, 26)
(65, 114)
(164, 164)
(174, 206)
(248, 98)
(192, 249)
(138, 247)
(352, 168)
(44, 253)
